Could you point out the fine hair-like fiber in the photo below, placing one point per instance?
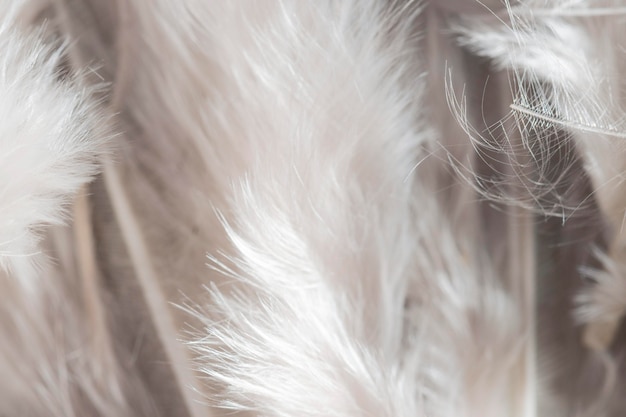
(332, 208)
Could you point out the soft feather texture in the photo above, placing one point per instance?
(335, 233)
(333, 186)
(343, 152)
(307, 149)
(567, 61)
(51, 138)
(568, 64)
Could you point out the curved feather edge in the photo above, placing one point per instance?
(567, 66)
(347, 291)
(51, 140)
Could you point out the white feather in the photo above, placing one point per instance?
(49, 139)
(568, 68)
(567, 59)
(332, 235)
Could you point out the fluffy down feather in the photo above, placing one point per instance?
(49, 139)
(341, 260)
(301, 124)
(350, 271)
(568, 61)
(51, 136)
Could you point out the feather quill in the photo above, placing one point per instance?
(573, 48)
(567, 63)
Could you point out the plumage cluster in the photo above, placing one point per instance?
(330, 208)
